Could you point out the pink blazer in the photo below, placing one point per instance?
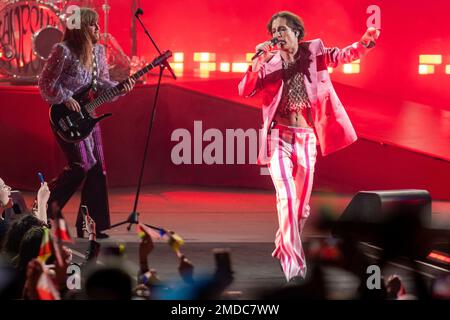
(333, 127)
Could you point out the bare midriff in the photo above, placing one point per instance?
(294, 108)
(301, 118)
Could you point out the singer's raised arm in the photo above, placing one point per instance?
(335, 56)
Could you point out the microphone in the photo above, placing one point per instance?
(274, 41)
(139, 11)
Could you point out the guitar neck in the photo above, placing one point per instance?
(115, 91)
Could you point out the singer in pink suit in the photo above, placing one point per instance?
(299, 107)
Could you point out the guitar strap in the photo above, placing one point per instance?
(94, 84)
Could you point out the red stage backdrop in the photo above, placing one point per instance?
(231, 28)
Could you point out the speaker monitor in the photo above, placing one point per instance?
(394, 219)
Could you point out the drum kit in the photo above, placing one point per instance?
(28, 31)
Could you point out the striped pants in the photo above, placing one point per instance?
(292, 171)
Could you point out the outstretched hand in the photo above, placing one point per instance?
(370, 36)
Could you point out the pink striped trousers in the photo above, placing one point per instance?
(292, 171)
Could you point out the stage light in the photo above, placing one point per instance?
(430, 59)
(224, 67)
(177, 67)
(239, 67)
(249, 56)
(447, 69)
(330, 69)
(426, 69)
(201, 73)
(439, 256)
(204, 56)
(207, 66)
(178, 57)
(351, 68)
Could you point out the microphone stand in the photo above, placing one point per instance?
(165, 63)
(134, 215)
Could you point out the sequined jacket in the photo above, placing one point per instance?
(332, 125)
(64, 76)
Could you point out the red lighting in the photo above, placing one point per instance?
(438, 256)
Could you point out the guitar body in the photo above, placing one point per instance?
(70, 125)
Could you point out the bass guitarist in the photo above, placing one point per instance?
(75, 65)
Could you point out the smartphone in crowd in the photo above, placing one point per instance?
(84, 211)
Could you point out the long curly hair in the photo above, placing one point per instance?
(16, 232)
(29, 248)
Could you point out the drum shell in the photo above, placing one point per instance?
(19, 21)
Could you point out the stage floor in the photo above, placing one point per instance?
(243, 220)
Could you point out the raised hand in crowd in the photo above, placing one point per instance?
(145, 248)
(42, 198)
(89, 227)
(94, 247)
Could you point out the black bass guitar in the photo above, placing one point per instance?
(74, 126)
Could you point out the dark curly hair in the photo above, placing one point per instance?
(29, 248)
(293, 21)
(16, 232)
